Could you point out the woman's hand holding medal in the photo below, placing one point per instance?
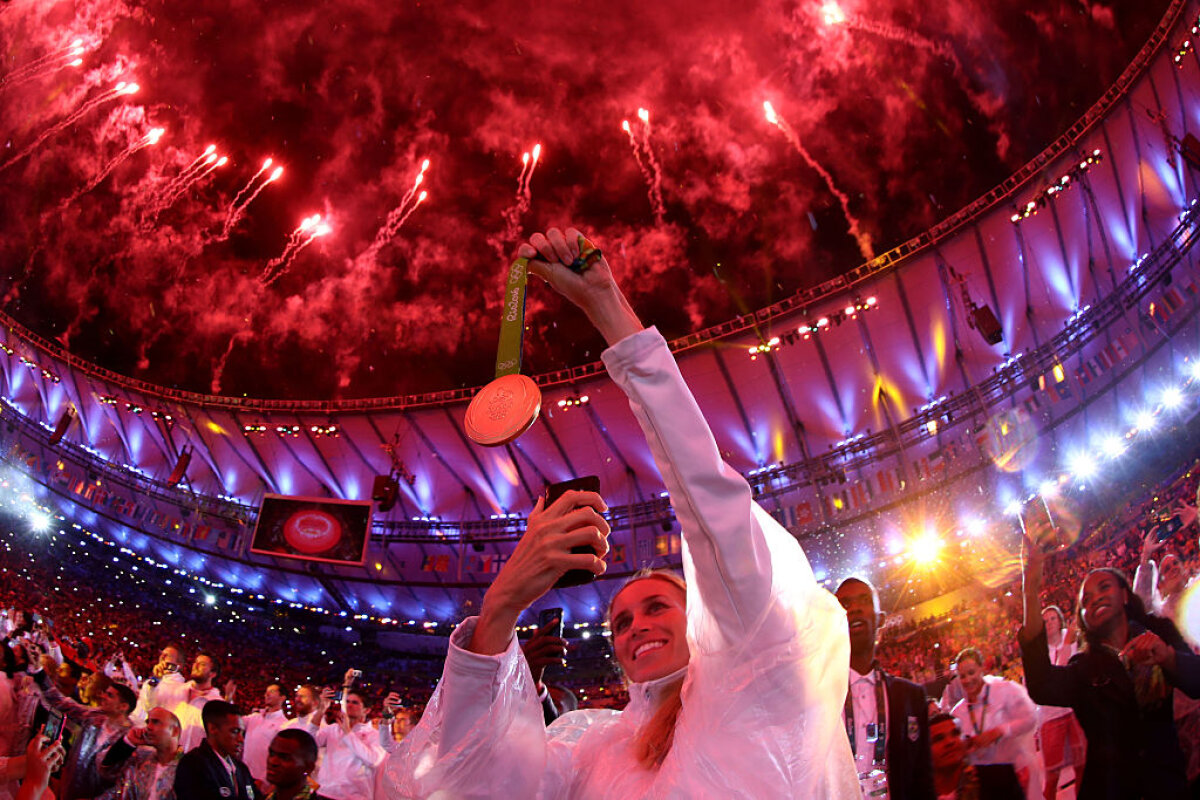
(580, 273)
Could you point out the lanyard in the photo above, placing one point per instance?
(982, 713)
(880, 732)
(512, 318)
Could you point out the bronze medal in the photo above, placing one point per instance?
(503, 410)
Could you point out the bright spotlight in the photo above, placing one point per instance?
(39, 522)
(1144, 420)
(210, 599)
(974, 526)
(1048, 488)
(1172, 398)
(925, 550)
(1013, 509)
(1082, 466)
(1195, 370)
(1112, 446)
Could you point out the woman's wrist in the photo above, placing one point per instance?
(494, 628)
(612, 315)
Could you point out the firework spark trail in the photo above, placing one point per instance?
(400, 214)
(528, 197)
(69, 56)
(149, 139)
(238, 211)
(863, 239)
(420, 199)
(119, 90)
(656, 201)
(219, 367)
(237, 197)
(637, 156)
(310, 229)
(207, 157)
(181, 185)
(832, 14)
(524, 197)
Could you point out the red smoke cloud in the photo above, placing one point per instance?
(913, 109)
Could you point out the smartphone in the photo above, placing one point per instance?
(549, 615)
(1166, 528)
(337, 696)
(357, 673)
(53, 728)
(588, 483)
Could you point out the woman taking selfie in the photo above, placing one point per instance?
(736, 680)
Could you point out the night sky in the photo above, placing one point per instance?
(911, 109)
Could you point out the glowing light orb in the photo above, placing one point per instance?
(155, 134)
(926, 549)
(1082, 465)
(769, 111)
(421, 197)
(39, 522)
(275, 174)
(832, 13)
(625, 125)
(643, 115)
(210, 600)
(1172, 398)
(1112, 446)
(1144, 420)
(537, 152)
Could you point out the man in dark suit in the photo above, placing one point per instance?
(886, 718)
(955, 778)
(212, 770)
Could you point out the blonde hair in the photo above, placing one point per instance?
(653, 742)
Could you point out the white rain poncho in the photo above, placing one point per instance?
(763, 692)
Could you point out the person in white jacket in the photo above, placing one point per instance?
(351, 752)
(999, 721)
(736, 684)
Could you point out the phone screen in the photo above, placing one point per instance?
(547, 616)
(53, 728)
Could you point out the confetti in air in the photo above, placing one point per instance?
(310, 228)
(245, 196)
(122, 89)
(863, 239)
(400, 214)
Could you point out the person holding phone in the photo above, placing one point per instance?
(736, 680)
(143, 763)
(1119, 685)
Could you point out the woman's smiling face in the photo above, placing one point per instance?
(649, 629)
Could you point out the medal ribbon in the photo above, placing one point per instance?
(512, 319)
(512, 312)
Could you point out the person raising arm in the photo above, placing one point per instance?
(736, 677)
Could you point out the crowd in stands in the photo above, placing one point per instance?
(92, 637)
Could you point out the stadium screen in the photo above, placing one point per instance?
(313, 529)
